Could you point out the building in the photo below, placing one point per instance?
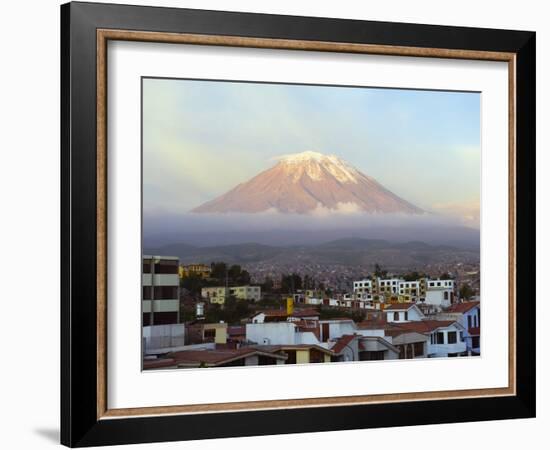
(199, 270)
(468, 314)
(215, 294)
(279, 315)
(218, 294)
(440, 292)
(251, 293)
(160, 290)
(363, 288)
(446, 337)
(403, 312)
(247, 356)
(163, 338)
(410, 291)
(199, 333)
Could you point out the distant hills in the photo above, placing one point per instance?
(350, 251)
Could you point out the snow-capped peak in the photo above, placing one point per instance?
(313, 164)
(302, 157)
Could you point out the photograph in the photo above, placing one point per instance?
(295, 223)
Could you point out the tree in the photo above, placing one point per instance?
(379, 272)
(291, 283)
(466, 292)
(219, 270)
(234, 272)
(244, 277)
(309, 282)
(267, 285)
(445, 276)
(193, 283)
(413, 276)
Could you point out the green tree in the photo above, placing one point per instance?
(413, 276)
(267, 285)
(466, 292)
(193, 283)
(219, 270)
(291, 283)
(379, 272)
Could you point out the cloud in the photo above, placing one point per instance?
(467, 212)
(346, 208)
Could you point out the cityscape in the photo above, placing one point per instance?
(201, 315)
(297, 224)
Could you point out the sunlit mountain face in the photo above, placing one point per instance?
(302, 183)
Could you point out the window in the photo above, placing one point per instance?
(475, 342)
(461, 336)
(439, 283)
(166, 292)
(439, 338)
(396, 316)
(146, 292)
(469, 322)
(147, 266)
(406, 315)
(446, 295)
(166, 266)
(451, 337)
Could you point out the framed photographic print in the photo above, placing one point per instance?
(277, 224)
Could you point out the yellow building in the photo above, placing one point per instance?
(200, 270)
(216, 332)
(215, 294)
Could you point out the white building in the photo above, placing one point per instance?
(411, 290)
(363, 287)
(388, 286)
(440, 292)
(163, 338)
(468, 314)
(160, 290)
(403, 312)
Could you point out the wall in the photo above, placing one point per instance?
(29, 190)
(277, 332)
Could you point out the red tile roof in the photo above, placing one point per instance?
(217, 356)
(305, 313)
(342, 343)
(372, 324)
(420, 326)
(158, 363)
(462, 307)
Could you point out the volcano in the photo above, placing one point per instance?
(306, 182)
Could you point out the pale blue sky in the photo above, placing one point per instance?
(201, 138)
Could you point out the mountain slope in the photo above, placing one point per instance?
(304, 182)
